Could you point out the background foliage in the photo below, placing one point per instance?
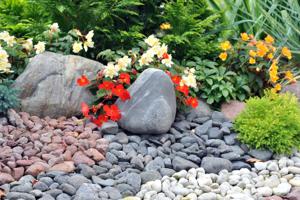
(275, 17)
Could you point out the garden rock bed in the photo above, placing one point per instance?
(131, 160)
(34, 145)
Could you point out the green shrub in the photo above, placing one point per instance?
(8, 97)
(270, 122)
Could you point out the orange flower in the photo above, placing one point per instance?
(121, 92)
(252, 53)
(100, 120)
(83, 81)
(225, 45)
(286, 52)
(223, 56)
(269, 39)
(106, 85)
(124, 78)
(191, 101)
(176, 79)
(244, 36)
(184, 89)
(252, 60)
(85, 109)
(112, 111)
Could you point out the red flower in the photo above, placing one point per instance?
(191, 101)
(106, 85)
(85, 109)
(124, 78)
(83, 81)
(100, 119)
(112, 111)
(121, 92)
(165, 56)
(176, 79)
(184, 89)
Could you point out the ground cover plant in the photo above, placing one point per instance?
(270, 122)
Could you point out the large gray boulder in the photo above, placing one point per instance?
(48, 85)
(152, 107)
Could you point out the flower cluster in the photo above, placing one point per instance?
(183, 84)
(112, 81)
(4, 63)
(84, 41)
(259, 55)
(155, 49)
(108, 91)
(10, 40)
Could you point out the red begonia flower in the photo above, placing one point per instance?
(192, 101)
(106, 85)
(112, 112)
(100, 119)
(85, 109)
(184, 89)
(121, 92)
(176, 79)
(124, 78)
(165, 56)
(83, 81)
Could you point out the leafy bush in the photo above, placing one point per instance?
(270, 122)
(23, 18)
(191, 30)
(217, 83)
(8, 97)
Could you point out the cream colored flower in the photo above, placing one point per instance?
(28, 45)
(168, 62)
(189, 78)
(123, 63)
(4, 35)
(39, 47)
(111, 70)
(146, 58)
(77, 47)
(3, 55)
(10, 40)
(54, 28)
(152, 41)
(89, 40)
(5, 67)
(78, 32)
(160, 50)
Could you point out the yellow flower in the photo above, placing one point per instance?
(273, 49)
(252, 53)
(244, 36)
(165, 26)
(39, 47)
(289, 76)
(286, 52)
(223, 56)
(277, 87)
(146, 58)
(77, 47)
(225, 45)
(261, 49)
(269, 39)
(252, 60)
(270, 55)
